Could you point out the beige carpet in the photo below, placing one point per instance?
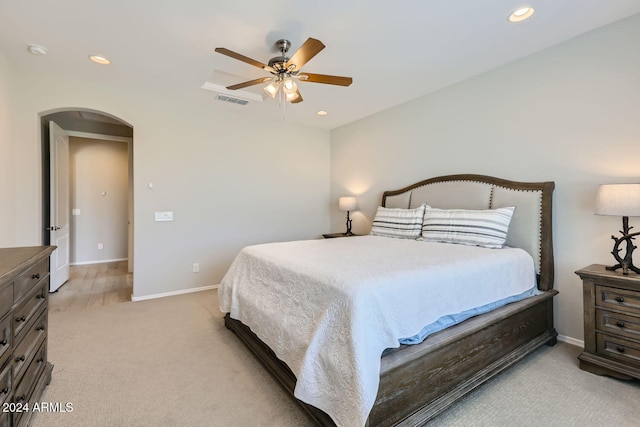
(171, 362)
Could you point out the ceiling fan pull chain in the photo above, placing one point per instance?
(283, 104)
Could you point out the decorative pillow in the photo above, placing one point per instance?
(398, 223)
(486, 228)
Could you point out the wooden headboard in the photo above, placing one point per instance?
(530, 227)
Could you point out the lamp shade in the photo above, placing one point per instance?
(348, 203)
(618, 200)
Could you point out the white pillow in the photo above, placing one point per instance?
(398, 223)
(487, 228)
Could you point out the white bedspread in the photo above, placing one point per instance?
(329, 308)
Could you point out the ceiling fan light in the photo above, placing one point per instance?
(291, 96)
(272, 88)
(289, 86)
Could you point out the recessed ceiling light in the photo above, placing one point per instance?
(37, 49)
(322, 113)
(99, 59)
(521, 14)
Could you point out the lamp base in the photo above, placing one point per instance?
(625, 263)
(625, 268)
(349, 221)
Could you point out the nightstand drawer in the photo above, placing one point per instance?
(618, 323)
(618, 348)
(618, 299)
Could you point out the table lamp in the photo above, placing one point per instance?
(621, 200)
(348, 203)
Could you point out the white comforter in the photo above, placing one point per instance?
(329, 308)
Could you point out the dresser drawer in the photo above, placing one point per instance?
(6, 299)
(24, 282)
(618, 299)
(6, 338)
(29, 306)
(26, 350)
(6, 383)
(618, 323)
(24, 388)
(618, 348)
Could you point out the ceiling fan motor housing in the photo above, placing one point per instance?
(278, 62)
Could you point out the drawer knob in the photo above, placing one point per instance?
(40, 360)
(40, 328)
(5, 390)
(620, 324)
(3, 342)
(620, 349)
(40, 296)
(21, 398)
(35, 276)
(20, 359)
(619, 299)
(20, 319)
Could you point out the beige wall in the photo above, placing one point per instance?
(99, 191)
(569, 114)
(7, 190)
(230, 181)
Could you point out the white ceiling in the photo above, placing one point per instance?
(394, 50)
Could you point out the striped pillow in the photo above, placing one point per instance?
(398, 223)
(486, 228)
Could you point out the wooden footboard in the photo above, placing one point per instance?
(418, 382)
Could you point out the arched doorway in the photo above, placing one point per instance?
(87, 208)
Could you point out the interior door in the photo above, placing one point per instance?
(59, 226)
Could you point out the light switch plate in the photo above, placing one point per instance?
(75, 211)
(164, 216)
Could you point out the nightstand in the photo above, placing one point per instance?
(611, 322)
(333, 235)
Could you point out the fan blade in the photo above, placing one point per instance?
(308, 50)
(298, 99)
(249, 83)
(324, 78)
(243, 58)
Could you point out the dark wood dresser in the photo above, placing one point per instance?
(24, 369)
(611, 322)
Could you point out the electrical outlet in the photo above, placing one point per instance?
(196, 267)
(100, 246)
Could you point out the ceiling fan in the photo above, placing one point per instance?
(285, 71)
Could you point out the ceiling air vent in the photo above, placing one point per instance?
(231, 99)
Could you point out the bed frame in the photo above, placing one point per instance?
(417, 382)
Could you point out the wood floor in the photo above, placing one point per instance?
(93, 285)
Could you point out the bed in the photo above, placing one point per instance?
(415, 382)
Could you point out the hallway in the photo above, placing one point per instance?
(93, 285)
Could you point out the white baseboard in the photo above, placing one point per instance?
(570, 340)
(101, 261)
(173, 293)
